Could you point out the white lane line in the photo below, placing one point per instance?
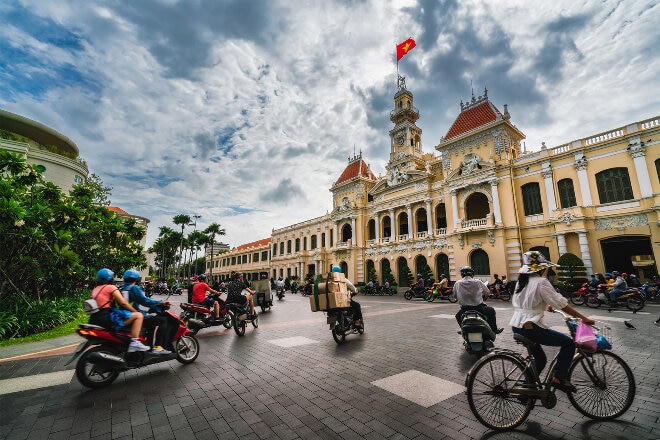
(17, 384)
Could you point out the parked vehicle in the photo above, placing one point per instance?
(440, 294)
(478, 337)
(197, 316)
(632, 299)
(240, 316)
(343, 324)
(104, 353)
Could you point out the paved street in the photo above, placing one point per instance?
(288, 379)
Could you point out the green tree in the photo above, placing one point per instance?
(389, 276)
(182, 220)
(571, 273)
(427, 273)
(53, 242)
(408, 276)
(372, 276)
(211, 231)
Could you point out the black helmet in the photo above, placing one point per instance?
(467, 271)
(442, 276)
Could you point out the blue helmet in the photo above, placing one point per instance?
(336, 269)
(202, 277)
(105, 276)
(131, 275)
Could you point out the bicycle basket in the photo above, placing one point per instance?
(603, 333)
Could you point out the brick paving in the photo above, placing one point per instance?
(289, 380)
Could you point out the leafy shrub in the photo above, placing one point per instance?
(18, 320)
(571, 272)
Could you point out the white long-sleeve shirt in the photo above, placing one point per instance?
(470, 292)
(532, 301)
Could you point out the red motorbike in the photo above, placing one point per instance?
(197, 316)
(104, 353)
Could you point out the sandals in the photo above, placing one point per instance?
(563, 385)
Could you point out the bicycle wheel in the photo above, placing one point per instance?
(592, 302)
(489, 394)
(605, 385)
(577, 300)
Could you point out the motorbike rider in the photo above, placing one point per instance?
(470, 293)
(419, 286)
(618, 287)
(132, 293)
(235, 293)
(442, 285)
(106, 295)
(497, 283)
(279, 284)
(200, 288)
(355, 306)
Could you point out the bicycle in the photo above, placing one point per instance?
(502, 387)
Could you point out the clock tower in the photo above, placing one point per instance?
(406, 136)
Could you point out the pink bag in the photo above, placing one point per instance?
(585, 338)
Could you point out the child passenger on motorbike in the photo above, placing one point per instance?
(136, 297)
(106, 295)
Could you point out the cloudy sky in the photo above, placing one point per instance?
(246, 111)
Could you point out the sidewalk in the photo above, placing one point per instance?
(40, 348)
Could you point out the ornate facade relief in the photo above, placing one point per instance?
(440, 243)
(621, 223)
(491, 237)
(476, 245)
(581, 164)
(419, 246)
(637, 149)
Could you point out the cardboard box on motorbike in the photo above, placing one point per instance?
(330, 292)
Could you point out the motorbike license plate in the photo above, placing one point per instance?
(475, 337)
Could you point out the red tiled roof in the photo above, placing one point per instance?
(472, 118)
(253, 244)
(355, 169)
(116, 209)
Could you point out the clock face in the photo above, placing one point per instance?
(399, 141)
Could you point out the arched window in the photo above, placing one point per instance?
(476, 206)
(614, 185)
(313, 244)
(288, 246)
(566, 193)
(346, 232)
(442, 263)
(657, 168)
(297, 245)
(420, 264)
(531, 193)
(371, 227)
(479, 262)
(420, 220)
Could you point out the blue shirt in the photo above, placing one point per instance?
(135, 296)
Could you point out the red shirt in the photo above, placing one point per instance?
(199, 292)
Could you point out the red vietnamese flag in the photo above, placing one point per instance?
(404, 48)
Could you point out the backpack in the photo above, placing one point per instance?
(90, 306)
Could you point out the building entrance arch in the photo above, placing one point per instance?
(402, 271)
(619, 253)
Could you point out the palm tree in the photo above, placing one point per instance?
(183, 220)
(195, 240)
(211, 231)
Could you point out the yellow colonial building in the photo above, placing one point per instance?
(479, 199)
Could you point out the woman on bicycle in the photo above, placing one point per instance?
(534, 295)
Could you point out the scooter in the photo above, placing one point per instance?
(240, 316)
(478, 337)
(440, 294)
(342, 324)
(503, 294)
(104, 353)
(413, 293)
(197, 316)
(632, 298)
(280, 292)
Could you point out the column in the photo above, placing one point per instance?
(549, 190)
(454, 208)
(410, 221)
(637, 152)
(497, 212)
(377, 219)
(583, 179)
(335, 235)
(393, 226)
(354, 232)
(584, 250)
(429, 219)
(561, 243)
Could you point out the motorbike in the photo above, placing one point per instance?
(240, 316)
(342, 324)
(307, 289)
(279, 291)
(414, 293)
(632, 298)
(294, 288)
(504, 294)
(263, 300)
(104, 353)
(650, 292)
(478, 337)
(579, 297)
(197, 316)
(176, 290)
(440, 294)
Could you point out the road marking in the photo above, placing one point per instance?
(420, 388)
(25, 383)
